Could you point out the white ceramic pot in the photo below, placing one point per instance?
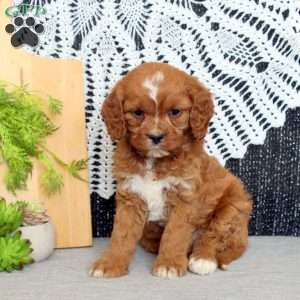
(42, 238)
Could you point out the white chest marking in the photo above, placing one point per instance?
(152, 84)
(153, 191)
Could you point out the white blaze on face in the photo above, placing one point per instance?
(152, 84)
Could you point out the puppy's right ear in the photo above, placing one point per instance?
(112, 112)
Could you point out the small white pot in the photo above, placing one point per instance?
(42, 238)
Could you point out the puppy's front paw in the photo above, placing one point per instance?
(202, 266)
(107, 268)
(170, 270)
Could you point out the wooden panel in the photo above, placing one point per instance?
(70, 210)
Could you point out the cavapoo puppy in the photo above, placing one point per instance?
(171, 196)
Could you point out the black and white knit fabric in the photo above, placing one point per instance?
(246, 51)
(272, 174)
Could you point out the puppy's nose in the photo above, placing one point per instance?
(155, 138)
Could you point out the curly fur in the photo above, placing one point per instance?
(172, 197)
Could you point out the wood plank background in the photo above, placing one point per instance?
(69, 210)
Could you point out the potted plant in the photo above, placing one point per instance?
(26, 234)
(37, 227)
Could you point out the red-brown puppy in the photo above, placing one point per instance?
(171, 195)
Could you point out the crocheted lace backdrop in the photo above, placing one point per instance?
(246, 51)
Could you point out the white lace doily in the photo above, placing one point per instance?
(246, 51)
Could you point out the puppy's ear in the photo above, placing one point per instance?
(112, 112)
(202, 109)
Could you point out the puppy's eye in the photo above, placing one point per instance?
(174, 113)
(138, 113)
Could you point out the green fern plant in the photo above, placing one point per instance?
(24, 127)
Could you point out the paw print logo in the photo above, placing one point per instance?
(24, 33)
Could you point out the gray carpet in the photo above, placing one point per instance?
(270, 270)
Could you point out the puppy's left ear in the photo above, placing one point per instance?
(202, 109)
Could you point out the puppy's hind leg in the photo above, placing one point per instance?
(225, 240)
(232, 247)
